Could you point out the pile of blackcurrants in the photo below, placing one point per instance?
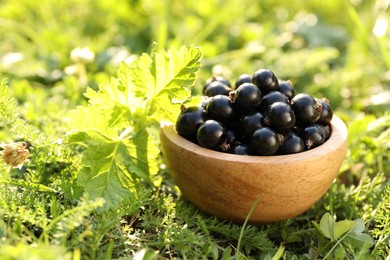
(261, 115)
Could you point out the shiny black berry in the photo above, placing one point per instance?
(216, 78)
(286, 87)
(312, 137)
(270, 98)
(246, 97)
(307, 109)
(326, 112)
(292, 144)
(240, 149)
(325, 129)
(189, 121)
(280, 116)
(231, 136)
(217, 88)
(243, 78)
(265, 80)
(264, 141)
(220, 108)
(251, 122)
(211, 134)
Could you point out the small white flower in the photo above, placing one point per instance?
(82, 55)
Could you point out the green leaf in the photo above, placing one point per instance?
(107, 111)
(358, 128)
(279, 253)
(357, 234)
(101, 173)
(193, 101)
(111, 167)
(342, 227)
(8, 104)
(163, 79)
(28, 185)
(326, 226)
(227, 253)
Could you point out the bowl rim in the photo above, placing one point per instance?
(339, 135)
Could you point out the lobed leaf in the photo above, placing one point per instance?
(114, 127)
(166, 77)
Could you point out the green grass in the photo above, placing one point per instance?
(47, 209)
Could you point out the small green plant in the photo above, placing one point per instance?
(381, 231)
(339, 238)
(117, 127)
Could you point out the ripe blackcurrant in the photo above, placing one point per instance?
(189, 120)
(286, 87)
(251, 122)
(325, 129)
(230, 136)
(211, 134)
(312, 137)
(292, 144)
(326, 112)
(220, 108)
(243, 78)
(306, 108)
(270, 98)
(246, 97)
(265, 80)
(217, 88)
(264, 141)
(240, 148)
(216, 78)
(280, 116)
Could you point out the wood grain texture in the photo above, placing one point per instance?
(228, 185)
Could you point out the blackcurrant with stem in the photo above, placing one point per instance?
(211, 134)
(217, 88)
(292, 144)
(213, 79)
(189, 121)
(312, 137)
(326, 112)
(306, 108)
(280, 116)
(220, 108)
(246, 97)
(286, 87)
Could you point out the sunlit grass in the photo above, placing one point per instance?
(51, 51)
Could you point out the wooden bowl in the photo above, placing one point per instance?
(228, 185)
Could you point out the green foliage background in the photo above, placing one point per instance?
(50, 208)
